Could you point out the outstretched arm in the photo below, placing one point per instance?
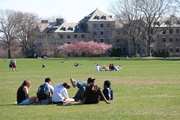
(104, 98)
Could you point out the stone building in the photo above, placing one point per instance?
(99, 27)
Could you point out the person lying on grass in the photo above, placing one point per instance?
(23, 94)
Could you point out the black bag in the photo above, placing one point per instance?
(43, 92)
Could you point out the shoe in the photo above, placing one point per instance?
(74, 83)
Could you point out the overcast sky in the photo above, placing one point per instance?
(71, 10)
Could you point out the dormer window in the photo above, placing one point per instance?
(70, 28)
(156, 23)
(103, 17)
(96, 17)
(63, 28)
(167, 22)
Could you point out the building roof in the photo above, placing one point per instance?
(70, 27)
(97, 15)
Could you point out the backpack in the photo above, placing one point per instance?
(43, 92)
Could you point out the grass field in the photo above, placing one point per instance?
(144, 89)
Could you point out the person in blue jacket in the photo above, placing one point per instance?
(108, 92)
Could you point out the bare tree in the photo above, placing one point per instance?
(26, 26)
(8, 29)
(130, 18)
(143, 19)
(152, 11)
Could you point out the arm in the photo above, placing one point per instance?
(25, 89)
(102, 95)
(65, 94)
(111, 94)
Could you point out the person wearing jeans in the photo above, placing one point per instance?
(82, 87)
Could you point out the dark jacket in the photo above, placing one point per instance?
(92, 94)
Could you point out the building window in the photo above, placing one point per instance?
(95, 40)
(68, 36)
(102, 33)
(108, 25)
(177, 50)
(82, 35)
(171, 31)
(102, 40)
(95, 25)
(177, 39)
(171, 50)
(95, 33)
(164, 32)
(102, 25)
(61, 36)
(68, 42)
(170, 39)
(118, 40)
(177, 31)
(75, 36)
(163, 39)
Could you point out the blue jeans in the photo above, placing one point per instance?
(80, 93)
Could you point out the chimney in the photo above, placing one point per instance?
(44, 21)
(59, 21)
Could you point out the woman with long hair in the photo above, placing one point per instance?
(23, 94)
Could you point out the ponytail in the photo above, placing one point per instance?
(66, 85)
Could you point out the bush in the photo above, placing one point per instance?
(116, 52)
(162, 53)
(60, 56)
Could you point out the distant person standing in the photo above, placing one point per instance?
(14, 64)
(11, 65)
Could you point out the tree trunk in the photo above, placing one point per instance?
(9, 53)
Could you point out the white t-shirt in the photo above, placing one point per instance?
(97, 68)
(51, 88)
(60, 93)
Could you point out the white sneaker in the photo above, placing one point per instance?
(74, 83)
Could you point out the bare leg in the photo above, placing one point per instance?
(32, 100)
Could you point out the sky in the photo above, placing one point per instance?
(71, 10)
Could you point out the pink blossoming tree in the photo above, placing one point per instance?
(84, 48)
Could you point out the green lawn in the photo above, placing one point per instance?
(144, 89)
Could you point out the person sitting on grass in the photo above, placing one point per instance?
(45, 92)
(60, 93)
(108, 92)
(82, 87)
(23, 94)
(43, 65)
(88, 92)
(92, 93)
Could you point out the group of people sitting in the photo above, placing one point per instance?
(77, 64)
(111, 67)
(88, 92)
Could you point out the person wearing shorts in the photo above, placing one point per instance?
(23, 94)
